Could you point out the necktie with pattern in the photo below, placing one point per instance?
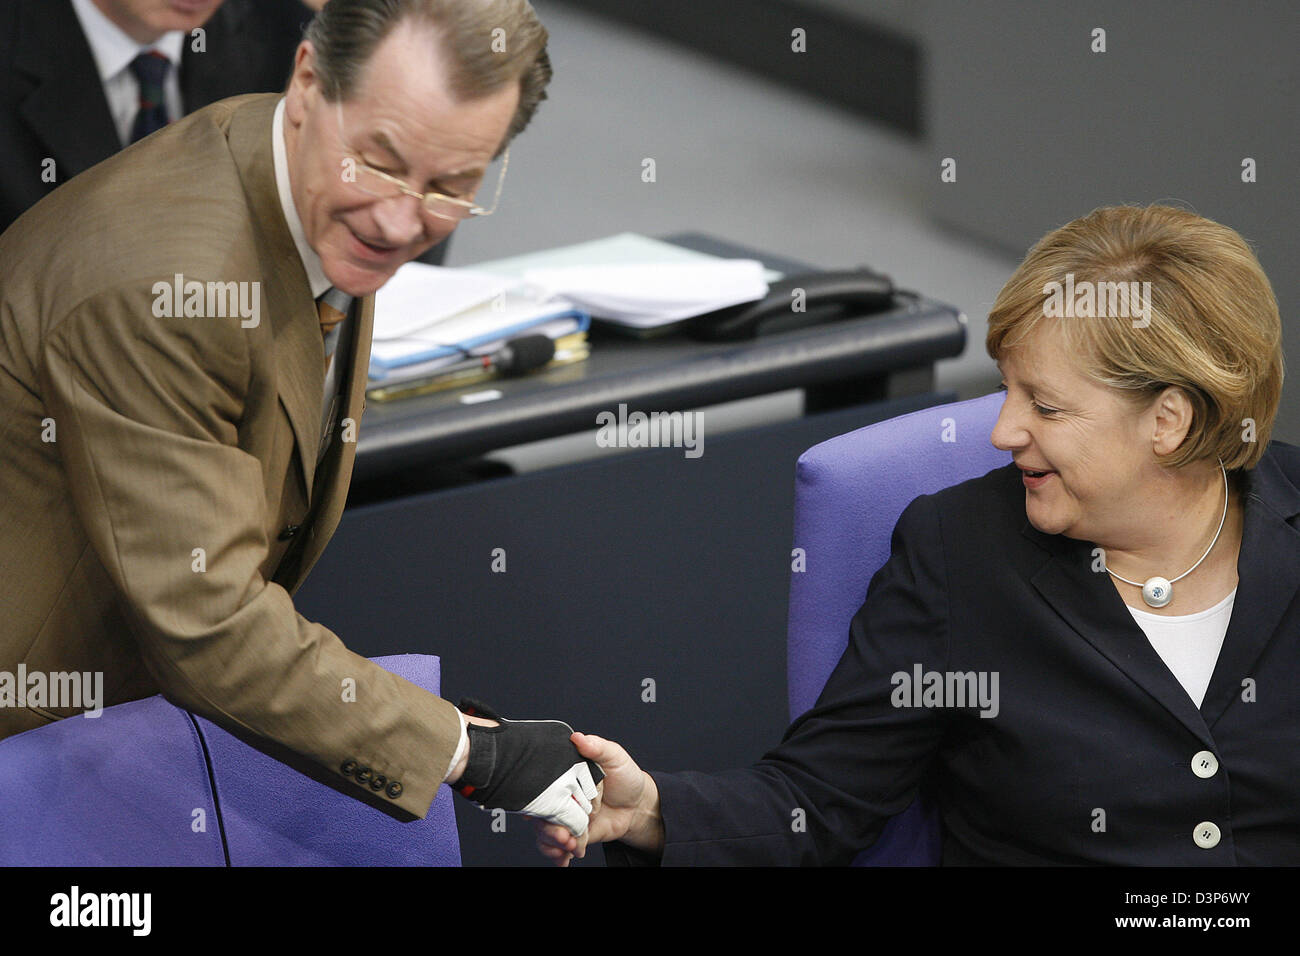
(332, 308)
(150, 71)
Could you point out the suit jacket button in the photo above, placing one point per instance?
(1206, 835)
(378, 782)
(348, 766)
(394, 790)
(363, 775)
(1205, 764)
(289, 531)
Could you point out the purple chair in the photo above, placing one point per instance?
(149, 784)
(849, 492)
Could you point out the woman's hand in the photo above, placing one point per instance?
(626, 807)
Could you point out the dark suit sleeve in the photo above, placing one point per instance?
(853, 760)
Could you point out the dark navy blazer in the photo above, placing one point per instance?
(1090, 756)
(52, 101)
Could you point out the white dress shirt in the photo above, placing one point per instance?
(113, 51)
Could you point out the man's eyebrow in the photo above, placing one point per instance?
(383, 142)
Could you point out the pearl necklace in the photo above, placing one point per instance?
(1158, 591)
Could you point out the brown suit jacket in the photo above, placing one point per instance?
(171, 435)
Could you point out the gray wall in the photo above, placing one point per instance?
(901, 16)
(1043, 130)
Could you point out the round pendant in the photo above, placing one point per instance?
(1157, 592)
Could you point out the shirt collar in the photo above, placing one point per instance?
(113, 49)
(310, 260)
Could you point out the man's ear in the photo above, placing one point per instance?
(1173, 412)
(302, 84)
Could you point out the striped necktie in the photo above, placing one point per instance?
(150, 71)
(332, 308)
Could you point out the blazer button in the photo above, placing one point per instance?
(363, 775)
(394, 790)
(1206, 835)
(290, 531)
(1205, 764)
(348, 766)
(378, 782)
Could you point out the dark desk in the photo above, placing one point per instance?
(840, 364)
(638, 566)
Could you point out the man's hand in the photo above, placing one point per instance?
(526, 766)
(627, 808)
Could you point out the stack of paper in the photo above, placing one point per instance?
(429, 317)
(652, 294)
(625, 248)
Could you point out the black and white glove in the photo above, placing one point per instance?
(528, 766)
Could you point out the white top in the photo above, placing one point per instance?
(113, 51)
(1189, 644)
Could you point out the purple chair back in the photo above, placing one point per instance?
(849, 492)
(127, 788)
(135, 787)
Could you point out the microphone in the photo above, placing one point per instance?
(523, 354)
(517, 356)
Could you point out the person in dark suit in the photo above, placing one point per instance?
(56, 120)
(1085, 657)
(70, 96)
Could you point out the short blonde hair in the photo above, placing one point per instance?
(1214, 326)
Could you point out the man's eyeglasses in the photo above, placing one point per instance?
(382, 185)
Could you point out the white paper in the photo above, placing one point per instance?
(650, 294)
(419, 295)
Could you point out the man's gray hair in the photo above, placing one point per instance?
(488, 44)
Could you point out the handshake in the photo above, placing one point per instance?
(543, 769)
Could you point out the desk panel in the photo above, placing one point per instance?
(643, 565)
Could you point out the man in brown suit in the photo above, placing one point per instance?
(178, 438)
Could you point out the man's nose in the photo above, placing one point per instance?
(401, 220)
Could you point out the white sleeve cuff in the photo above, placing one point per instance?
(460, 747)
